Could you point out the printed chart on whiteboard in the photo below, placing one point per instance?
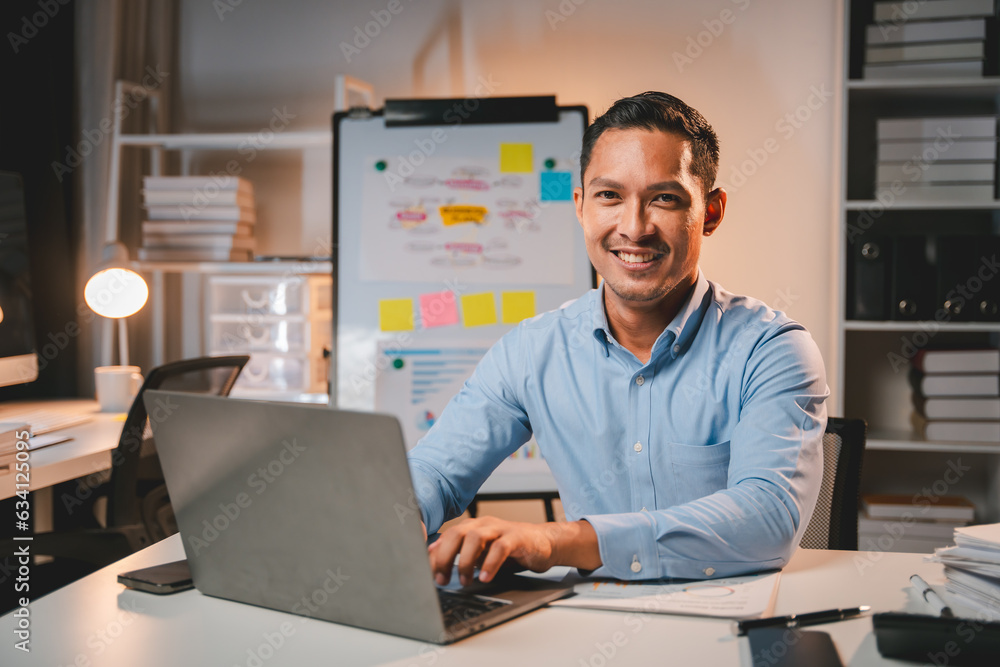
(417, 383)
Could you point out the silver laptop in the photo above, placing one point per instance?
(311, 510)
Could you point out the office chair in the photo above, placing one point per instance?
(138, 511)
(834, 523)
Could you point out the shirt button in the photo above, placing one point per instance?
(677, 349)
(639, 380)
(643, 510)
(636, 566)
(637, 446)
(709, 571)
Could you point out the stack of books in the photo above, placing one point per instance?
(932, 38)
(197, 218)
(911, 523)
(937, 159)
(972, 567)
(956, 394)
(9, 435)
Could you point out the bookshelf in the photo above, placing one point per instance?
(871, 382)
(193, 276)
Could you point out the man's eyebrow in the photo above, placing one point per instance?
(601, 182)
(665, 185)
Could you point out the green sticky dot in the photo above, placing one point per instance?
(550, 164)
(381, 165)
(397, 363)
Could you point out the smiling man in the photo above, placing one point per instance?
(683, 423)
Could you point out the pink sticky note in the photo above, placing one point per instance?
(438, 309)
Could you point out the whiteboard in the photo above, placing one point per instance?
(448, 230)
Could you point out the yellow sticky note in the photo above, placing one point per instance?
(479, 309)
(517, 306)
(453, 214)
(395, 314)
(516, 157)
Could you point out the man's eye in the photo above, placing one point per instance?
(606, 194)
(667, 198)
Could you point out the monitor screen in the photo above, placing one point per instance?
(18, 362)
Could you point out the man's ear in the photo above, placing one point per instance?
(715, 210)
(578, 201)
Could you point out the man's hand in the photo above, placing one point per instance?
(490, 541)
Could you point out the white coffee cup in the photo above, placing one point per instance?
(117, 387)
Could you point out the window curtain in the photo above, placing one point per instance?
(135, 41)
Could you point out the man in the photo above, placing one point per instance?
(683, 424)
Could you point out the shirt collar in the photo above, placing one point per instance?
(676, 336)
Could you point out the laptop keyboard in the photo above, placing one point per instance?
(459, 608)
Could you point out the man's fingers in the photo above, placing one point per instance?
(472, 547)
(495, 557)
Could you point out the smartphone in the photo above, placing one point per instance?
(160, 579)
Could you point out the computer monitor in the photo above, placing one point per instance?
(18, 358)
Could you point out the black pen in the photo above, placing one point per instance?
(801, 620)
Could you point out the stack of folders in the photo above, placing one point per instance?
(937, 159)
(911, 523)
(9, 436)
(198, 218)
(933, 38)
(956, 394)
(972, 568)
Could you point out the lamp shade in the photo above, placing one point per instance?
(115, 291)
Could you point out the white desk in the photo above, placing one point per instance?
(88, 452)
(95, 621)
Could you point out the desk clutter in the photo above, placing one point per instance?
(198, 219)
(956, 394)
(944, 38)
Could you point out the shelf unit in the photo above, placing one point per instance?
(348, 92)
(870, 378)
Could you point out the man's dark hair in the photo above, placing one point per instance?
(666, 113)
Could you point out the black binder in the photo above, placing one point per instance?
(967, 280)
(868, 278)
(912, 280)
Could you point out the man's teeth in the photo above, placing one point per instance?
(635, 259)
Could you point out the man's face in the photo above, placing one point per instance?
(643, 215)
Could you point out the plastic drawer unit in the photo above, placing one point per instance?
(283, 322)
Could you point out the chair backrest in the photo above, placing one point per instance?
(834, 523)
(205, 375)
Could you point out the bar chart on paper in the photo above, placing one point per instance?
(416, 383)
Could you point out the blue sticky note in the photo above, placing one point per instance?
(557, 186)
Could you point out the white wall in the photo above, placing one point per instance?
(756, 63)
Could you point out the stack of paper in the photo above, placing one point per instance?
(972, 567)
(198, 218)
(9, 436)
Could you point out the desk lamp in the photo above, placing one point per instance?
(116, 292)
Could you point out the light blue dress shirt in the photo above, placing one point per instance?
(704, 462)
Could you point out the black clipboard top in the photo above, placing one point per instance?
(472, 110)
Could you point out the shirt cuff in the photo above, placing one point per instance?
(627, 543)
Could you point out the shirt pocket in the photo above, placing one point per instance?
(698, 470)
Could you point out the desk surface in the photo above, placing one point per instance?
(97, 622)
(88, 452)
